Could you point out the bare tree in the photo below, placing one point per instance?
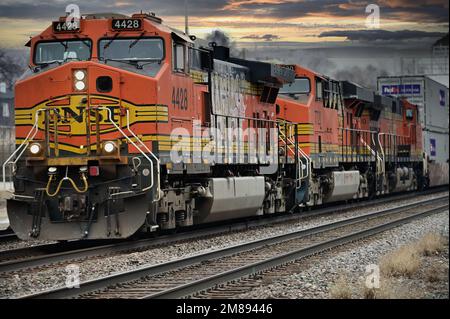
(10, 69)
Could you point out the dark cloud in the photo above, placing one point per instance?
(31, 10)
(54, 8)
(265, 37)
(271, 25)
(420, 11)
(403, 10)
(381, 35)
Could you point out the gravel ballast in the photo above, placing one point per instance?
(315, 276)
(16, 284)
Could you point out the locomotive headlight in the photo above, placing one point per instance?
(80, 86)
(80, 80)
(109, 147)
(79, 75)
(35, 149)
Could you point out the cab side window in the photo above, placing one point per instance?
(409, 114)
(195, 59)
(319, 89)
(180, 58)
(329, 92)
(394, 107)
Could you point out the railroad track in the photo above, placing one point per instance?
(49, 255)
(192, 275)
(7, 235)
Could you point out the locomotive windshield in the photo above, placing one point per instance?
(300, 86)
(62, 51)
(131, 49)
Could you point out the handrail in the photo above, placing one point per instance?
(388, 134)
(357, 130)
(301, 175)
(290, 144)
(308, 159)
(34, 130)
(158, 162)
(372, 134)
(25, 142)
(229, 146)
(134, 144)
(378, 158)
(308, 163)
(383, 169)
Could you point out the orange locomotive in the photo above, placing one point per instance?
(358, 144)
(124, 124)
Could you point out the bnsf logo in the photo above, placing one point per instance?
(68, 114)
(74, 120)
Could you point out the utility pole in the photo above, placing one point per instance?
(186, 17)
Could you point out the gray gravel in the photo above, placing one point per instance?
(17, 244)
(314, 277)
(22, 283)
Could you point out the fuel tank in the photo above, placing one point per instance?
(342, 186)
(233, 197)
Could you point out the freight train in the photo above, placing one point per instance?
(125, 125)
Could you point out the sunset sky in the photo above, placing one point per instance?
(248, 20)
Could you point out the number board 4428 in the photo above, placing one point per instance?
(65, 27)
(127, 24)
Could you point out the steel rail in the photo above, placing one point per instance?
(235, 274)
(7, 235)
(127, 276)
(69, 251)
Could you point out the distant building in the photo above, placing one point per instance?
(7, 130)
(440, 68)
(435, 66)
(440, 48)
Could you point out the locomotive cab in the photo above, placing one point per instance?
(85, 166)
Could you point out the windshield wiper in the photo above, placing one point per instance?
(64, 44)
(46, 64)
(144, 59)
(137, 40)
(140, 66)
(135, 61)
(66, 47)
(110, 41)
(148, 61)
(127, 61)
(84, 41)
